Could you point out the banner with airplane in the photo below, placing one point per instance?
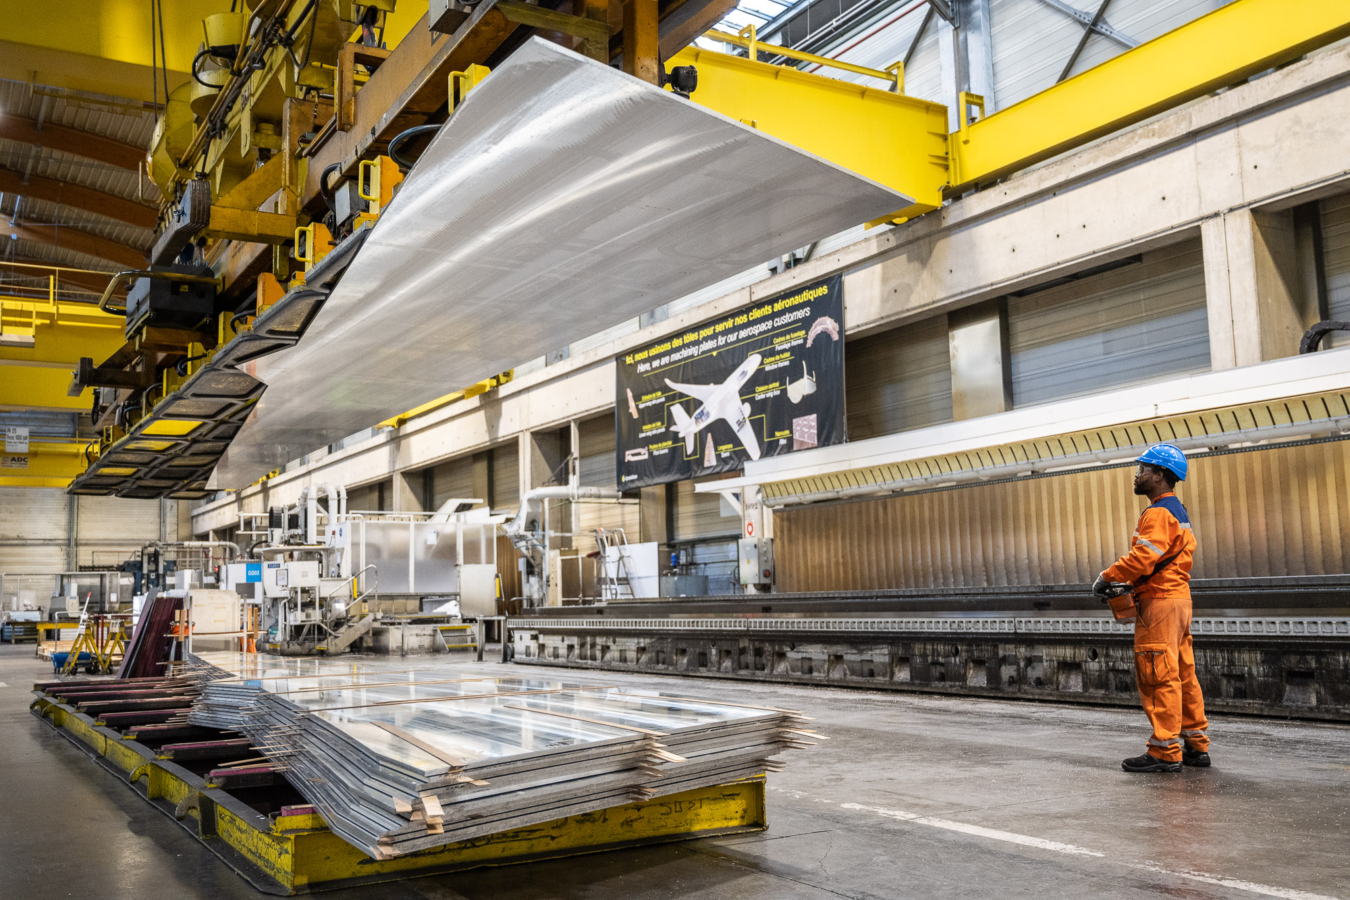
(763, 380)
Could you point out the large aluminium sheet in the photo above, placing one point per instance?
(562, 197)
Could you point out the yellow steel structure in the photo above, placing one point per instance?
(481, 387)
(297, 853)
(47, 464)
(1215, 50)
(895, 140)
(100, 45)
(41, 342)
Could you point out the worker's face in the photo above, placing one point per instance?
(1146, 479)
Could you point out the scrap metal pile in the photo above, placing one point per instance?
(401, 760)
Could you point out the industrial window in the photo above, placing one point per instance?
(1336, 254)
(1138, 322)
(898, 380)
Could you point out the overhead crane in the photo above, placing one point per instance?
(279, 119)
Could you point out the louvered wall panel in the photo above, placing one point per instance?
(1270, 512)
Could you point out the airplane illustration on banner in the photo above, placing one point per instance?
(720, 401)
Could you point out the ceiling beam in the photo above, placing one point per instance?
(68, 238)
(78, 197)
(72, 140)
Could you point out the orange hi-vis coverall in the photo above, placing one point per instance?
(1164, 661)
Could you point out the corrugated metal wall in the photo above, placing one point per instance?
(1125, 326)
(110, 529)
(595, 468)
(698, 516)
(452, 479)
(35, 531)
(898, 380)
(1270, 512)
(506, 476)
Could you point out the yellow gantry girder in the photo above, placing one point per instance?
(46, 464)
(1218, 49)
(41, 342)
(895, 140)
(101, 45)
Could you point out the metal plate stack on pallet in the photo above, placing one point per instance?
(404, 761)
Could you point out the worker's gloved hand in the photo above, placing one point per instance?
(1101, 587)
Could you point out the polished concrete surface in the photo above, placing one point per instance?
(912, 797)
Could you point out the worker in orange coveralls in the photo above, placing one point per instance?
(1158, 569)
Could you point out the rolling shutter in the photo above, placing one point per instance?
(1336, 254)
(112, 529)
(506, 477)
(898, 380)
(1136, 323)
(595, 468)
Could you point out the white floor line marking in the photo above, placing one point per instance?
(1267, 890)
(1057, 847)
(2, 684)
(975, 830)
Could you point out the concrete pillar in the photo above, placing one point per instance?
(482, 477)
(1258, 309)
(652, 518)
(408, 492)
(977, 338)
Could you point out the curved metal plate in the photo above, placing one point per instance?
(562, 198)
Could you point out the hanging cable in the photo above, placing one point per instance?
(154, 75)
(163, 55)
(404, 137)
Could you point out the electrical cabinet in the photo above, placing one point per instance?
(756, 561)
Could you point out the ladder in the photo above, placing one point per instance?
(614, 583)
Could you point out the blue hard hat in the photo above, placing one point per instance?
(1167, 457)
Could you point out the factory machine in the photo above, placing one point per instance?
(1276, 646)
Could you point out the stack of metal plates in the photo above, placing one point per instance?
(402, 761)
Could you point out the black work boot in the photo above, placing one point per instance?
(1196, 758)
(1147, 763)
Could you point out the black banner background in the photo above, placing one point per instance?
(788, 408)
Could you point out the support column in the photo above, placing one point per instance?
(482, 477)
(408, 492)
(641, 48)
(977, 338)
(73, 531)
(1258, 309)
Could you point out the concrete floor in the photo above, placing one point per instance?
(913, 797)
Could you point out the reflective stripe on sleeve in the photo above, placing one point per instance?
(1149, 544)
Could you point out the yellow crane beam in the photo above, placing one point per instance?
(1216, 50)
(46, 464)
(102, 46)
(893, 139)
(41, 342)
